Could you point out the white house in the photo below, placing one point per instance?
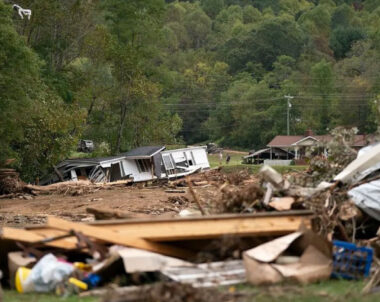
(181, 162)
(140, 164)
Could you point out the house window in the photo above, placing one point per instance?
(143, 165)
(168, 162)
(192, 159)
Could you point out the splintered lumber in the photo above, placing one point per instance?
(104, 214)
(32, 237)
(195, 196)
(259, 224)
(111, 236)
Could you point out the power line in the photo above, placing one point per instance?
(289, 105)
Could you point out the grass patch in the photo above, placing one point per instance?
(235, 165)
(13, 296)
(331, 290)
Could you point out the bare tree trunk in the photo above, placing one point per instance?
(123, 115)
(89, 111)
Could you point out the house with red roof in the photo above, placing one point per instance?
(298, 144)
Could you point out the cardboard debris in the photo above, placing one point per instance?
(282, 203)
(315, 262)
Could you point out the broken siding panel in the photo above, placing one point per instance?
(131, 168)
(201, 158)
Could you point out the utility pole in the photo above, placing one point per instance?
(289, 105)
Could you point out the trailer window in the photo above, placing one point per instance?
(143, 165)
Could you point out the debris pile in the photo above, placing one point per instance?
(262, 229)
(10, 182)
(239, 200)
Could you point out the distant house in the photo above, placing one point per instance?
(297, 144)
(260, 156)
(140, 164)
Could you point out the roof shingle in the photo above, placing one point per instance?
(288, 140)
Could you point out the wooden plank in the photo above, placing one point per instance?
(32, 237)
(198, 229)
(260, 224)
(117, 238)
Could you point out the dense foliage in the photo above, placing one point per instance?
(130, 73)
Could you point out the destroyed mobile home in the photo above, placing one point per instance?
(261, 229)
(140, 164)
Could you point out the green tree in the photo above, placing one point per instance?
(343, 38)
(19, 68)
(275, 37)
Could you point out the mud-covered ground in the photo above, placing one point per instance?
(138, 202)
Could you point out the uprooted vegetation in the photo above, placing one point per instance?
(173, 292)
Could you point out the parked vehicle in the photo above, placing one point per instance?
(85, 145)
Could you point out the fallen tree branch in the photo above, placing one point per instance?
(195, 196)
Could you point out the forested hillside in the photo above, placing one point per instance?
(126, 73)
